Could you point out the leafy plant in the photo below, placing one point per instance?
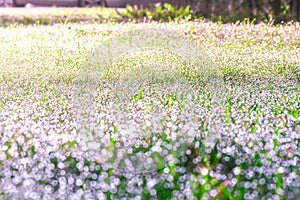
(157, 12)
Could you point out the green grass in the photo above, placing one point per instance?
(260, 66)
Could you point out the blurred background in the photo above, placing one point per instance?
(228, 10)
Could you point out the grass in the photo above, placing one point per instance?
(256, 157)
(52, 15)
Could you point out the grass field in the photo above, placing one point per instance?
(256, 155)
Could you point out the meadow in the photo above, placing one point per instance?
(43, 156)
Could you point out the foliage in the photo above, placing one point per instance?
(157, 12)
(234, 10)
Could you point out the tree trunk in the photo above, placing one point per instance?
(276, 8)
(298, 10)
(208, 6)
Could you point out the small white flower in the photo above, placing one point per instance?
(237, 171)
(166, 170)
(204, 171)
(280, 170)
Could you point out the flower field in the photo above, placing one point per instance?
(248, 149)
